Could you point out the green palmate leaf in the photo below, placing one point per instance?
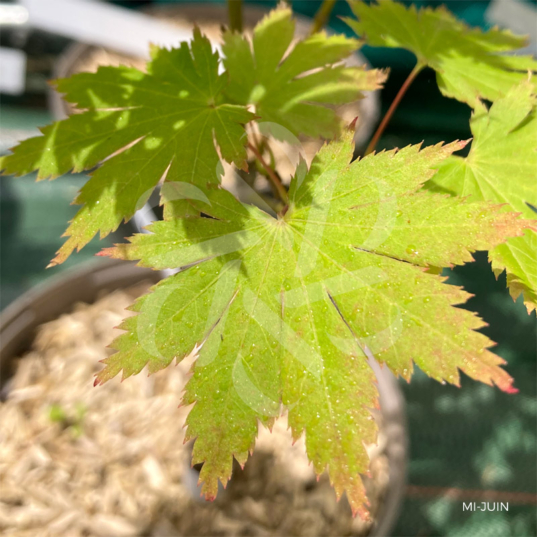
(469, 64)
(287, 310)
(162, 122)
(290, 87)
(502, 167)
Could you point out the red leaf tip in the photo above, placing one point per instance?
(106, 252)
(363, 513)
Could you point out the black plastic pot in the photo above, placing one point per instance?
(20, 320)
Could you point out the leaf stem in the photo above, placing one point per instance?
(322, 16)
(271, 173)
(234, 8)
(386, 119)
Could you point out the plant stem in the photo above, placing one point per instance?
(234, 8)
(271, 173)
(322, 16)
(386, 119)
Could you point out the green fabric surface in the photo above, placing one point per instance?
(476, 439)
(33, 216)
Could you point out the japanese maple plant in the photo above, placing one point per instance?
(285, 307)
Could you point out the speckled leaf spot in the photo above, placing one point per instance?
(502, 167)
(290, 82)
(139, 127)
(286, 310)
(469, 64)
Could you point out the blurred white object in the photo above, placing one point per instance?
(519, 16)
(13, 15)
(11, 137)
(12, 71)
(96, 23)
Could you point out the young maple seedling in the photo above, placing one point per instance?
(285, 310)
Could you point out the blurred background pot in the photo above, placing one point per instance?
(209, 18)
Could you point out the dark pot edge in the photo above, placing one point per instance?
(57, 295)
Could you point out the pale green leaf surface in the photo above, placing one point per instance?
(288, 309)
(167, 119)
(502, 167)
(469, 64)
(291, 84)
